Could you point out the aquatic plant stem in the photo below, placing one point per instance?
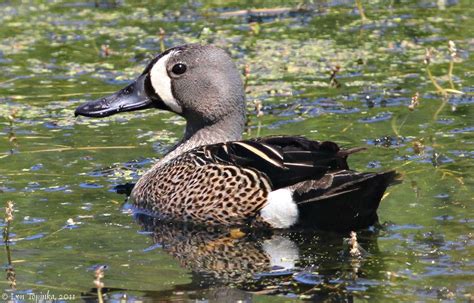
(94, 45)
(8, 220)
(393, 124)
(99, 274)
(450, 73)
(439, 88)
(435, 83)
(99, 294)
(360, 8)
(10, 270)
(440, 108)
(10, 80)
(259, 127)
(11, 275)
(6, 240)
(162, 34)
(403, 123)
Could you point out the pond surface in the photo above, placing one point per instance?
(60, 171)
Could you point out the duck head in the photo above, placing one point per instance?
(198, 82)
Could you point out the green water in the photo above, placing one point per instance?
(60, 171)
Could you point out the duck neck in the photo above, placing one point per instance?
(229, 128)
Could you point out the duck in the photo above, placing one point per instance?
(213, 177)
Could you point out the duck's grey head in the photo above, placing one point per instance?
(198, 82)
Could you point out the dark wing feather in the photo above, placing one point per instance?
(286, 160)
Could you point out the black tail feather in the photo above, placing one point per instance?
(345, 204)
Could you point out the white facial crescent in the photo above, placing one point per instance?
(161, 83)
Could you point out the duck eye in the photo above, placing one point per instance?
(179, 69)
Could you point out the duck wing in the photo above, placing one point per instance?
(285, 160)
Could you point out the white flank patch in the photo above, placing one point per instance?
(161, 83)
(282, 252)
(281, 211)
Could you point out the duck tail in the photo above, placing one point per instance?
(346, 200)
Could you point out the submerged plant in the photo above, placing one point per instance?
(11, 122)
(360, 8)
(453, 54)
(415, 101)
(258, 107)
(354, 245)
(105, 50)
(356, 253)
(161, 34)
(332, 79)
(99, 274)
(12, 116)
(429, 53)
(8, 220)
(254, 28)
(10, 270)
(418, 146)
(246, 76)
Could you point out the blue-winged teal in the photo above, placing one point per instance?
(213, 177)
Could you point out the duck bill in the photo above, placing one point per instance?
(130, 98)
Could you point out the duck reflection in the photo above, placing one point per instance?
(227, 255)
(298, 262)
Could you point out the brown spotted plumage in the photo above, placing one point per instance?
(211, 193)
(213, 177)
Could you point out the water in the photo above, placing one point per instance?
(60, 171)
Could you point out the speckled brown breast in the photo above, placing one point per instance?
(189, 188)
